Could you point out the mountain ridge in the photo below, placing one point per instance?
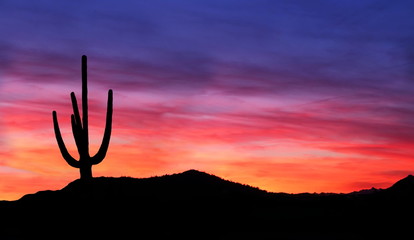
(195, 204)
(199, 182)
(199, 179)
(188, 182)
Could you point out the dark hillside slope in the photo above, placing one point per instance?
(190, 184)
(403, 188)
(177, 204)
(197, 205)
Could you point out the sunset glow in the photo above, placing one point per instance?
(287, 96)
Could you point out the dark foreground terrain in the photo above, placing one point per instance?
(196, 205)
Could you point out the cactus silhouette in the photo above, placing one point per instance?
(80, 131)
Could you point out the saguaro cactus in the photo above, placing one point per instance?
(80, 131)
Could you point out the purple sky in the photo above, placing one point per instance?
(280, 85)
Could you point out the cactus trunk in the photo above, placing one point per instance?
(80, 131)
(85, 171)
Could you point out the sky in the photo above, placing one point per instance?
(288, 96)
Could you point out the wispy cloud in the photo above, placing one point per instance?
(288, 95)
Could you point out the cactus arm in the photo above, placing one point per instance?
(77, 119)
(77, 133)
(77, 129)
(100, 155)
(63, 150)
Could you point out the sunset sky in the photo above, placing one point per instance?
(289, 96)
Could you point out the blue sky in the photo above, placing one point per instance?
(268, 93)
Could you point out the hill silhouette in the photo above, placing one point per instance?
(190, 184)
(403, 187)
(197, 205)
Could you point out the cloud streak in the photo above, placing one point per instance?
(288, 95)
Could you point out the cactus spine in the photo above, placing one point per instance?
(80, 131)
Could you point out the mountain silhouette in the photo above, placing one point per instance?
(198, 205)
(191, 183)
(404, 186)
